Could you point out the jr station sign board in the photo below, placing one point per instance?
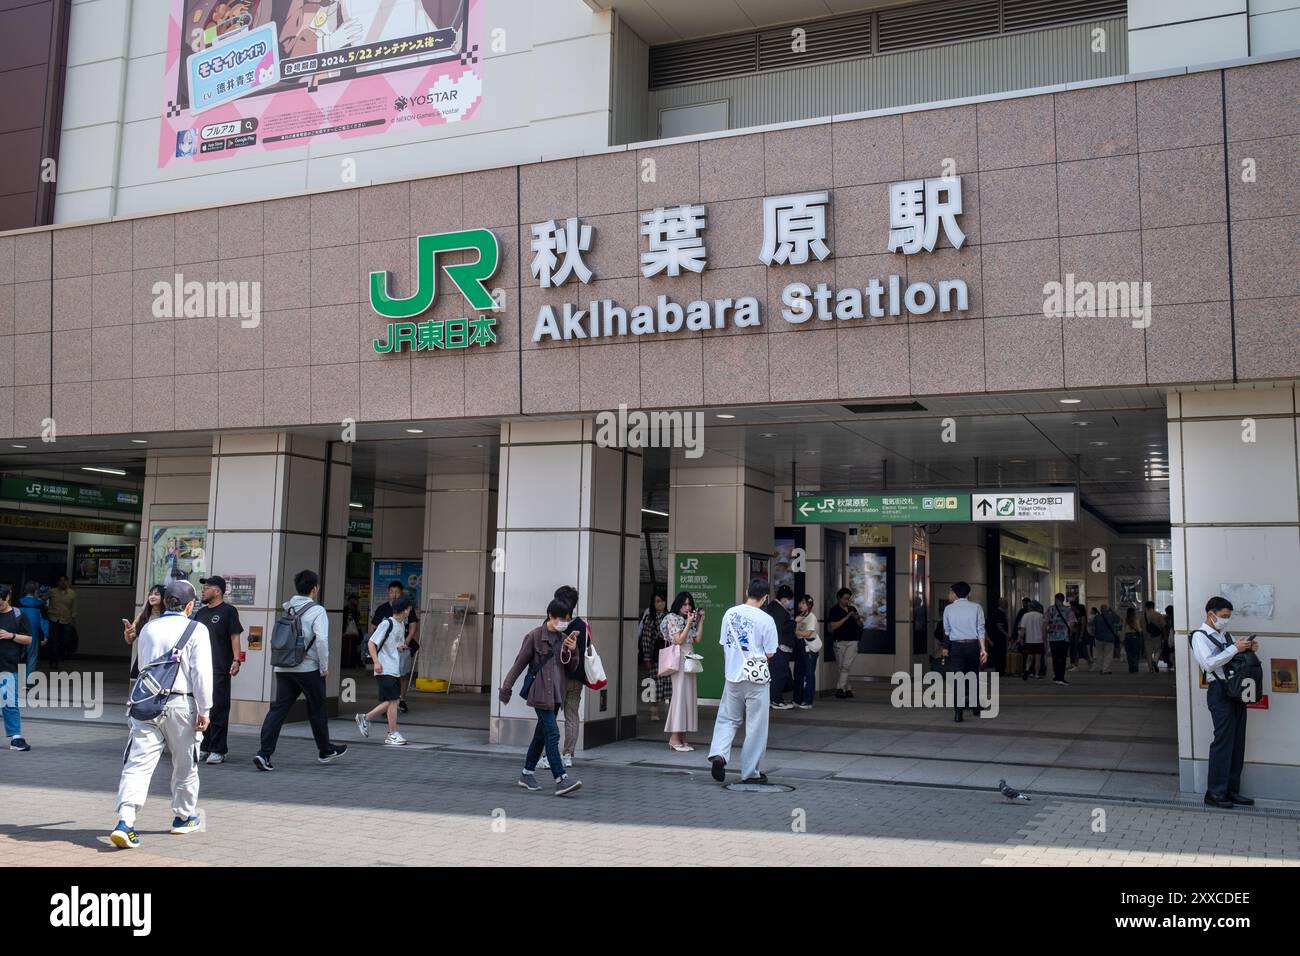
(937, 507)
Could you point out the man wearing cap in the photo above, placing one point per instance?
(222, 621)
(183, 717)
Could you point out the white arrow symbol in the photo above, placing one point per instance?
(804, 509)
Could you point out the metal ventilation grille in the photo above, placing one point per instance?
(703, 60)
(844, 38)
(1036, 14)
(861, 35)
(906, 28)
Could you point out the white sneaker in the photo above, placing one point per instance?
(394, 739)
(215, 758)
(543, 763)
(568, 759)
(363, 725)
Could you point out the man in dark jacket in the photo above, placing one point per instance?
(780, 609)
(544, 692)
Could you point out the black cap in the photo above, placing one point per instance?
(177, 594)
(217, 581)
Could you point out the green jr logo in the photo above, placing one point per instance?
(468, 277)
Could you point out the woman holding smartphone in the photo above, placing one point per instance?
(681, 626)
(131, 629)
(805, 665)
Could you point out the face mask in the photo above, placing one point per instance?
(1221, 623)
(787, 604)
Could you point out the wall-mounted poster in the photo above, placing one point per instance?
(252, 76)
(103, 565)
(871, 579)
(1250, 600)
(383, 573)
(787, 566)
(1284, 675)
(177, 551)
(241, 589)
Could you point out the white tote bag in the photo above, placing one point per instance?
(594, 669)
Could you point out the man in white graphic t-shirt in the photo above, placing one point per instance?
(748, 637)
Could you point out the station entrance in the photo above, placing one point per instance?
(756, 496)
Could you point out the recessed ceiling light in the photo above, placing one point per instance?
(139, 441)
(814, 452)
(479, 445)
(1081, 424)
(768, 435)
(1112, 458)
(651, 511)
(1123, 471)
(1015, 461)
(355, 504)
(415, 431)
(1098, 444)
(104, 471)
(19, 446)
(1069, 401)
(720, 415)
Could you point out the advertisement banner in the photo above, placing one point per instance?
(252, 76)
(711, 579)
(103, 565)
(177, 551)
(384, 572)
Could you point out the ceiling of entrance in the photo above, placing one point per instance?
(1112, 444)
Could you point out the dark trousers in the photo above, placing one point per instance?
(1060, 654)
(57, 646)
(805, 677)
(780, 668)
(1228, 749)
(1133, 651)
(545, 737)
(214, 738)
(963, 659)
(288, 687)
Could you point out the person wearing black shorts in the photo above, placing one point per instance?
(386, 645)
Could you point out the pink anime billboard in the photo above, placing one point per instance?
(257, 75)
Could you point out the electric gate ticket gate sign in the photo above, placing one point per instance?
(1049, 505)
(901, 507)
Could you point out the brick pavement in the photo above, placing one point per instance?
(389, 806)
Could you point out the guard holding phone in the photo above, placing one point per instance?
(1214, 648)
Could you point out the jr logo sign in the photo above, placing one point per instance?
(467, 277)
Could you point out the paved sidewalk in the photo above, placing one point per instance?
(423, 805)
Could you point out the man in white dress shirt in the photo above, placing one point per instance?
(1213, 647)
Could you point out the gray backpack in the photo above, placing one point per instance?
(287, 647)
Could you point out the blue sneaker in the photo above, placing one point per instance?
(186, 825)
(123, 837)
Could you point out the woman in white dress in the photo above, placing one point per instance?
(681, 626)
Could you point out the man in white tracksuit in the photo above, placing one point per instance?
(184, 717)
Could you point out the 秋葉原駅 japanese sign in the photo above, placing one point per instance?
(902, 507)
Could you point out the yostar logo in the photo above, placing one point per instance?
(468, 277)
(400, 103)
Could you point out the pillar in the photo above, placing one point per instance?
(717, 505)
(568, 512)
(460, 518)
(1235, 516)
(278, 503)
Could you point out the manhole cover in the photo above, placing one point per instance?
(758, 787)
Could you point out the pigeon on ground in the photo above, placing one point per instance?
(1011, 793)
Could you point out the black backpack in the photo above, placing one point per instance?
(287, 647)
(1244, 673)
